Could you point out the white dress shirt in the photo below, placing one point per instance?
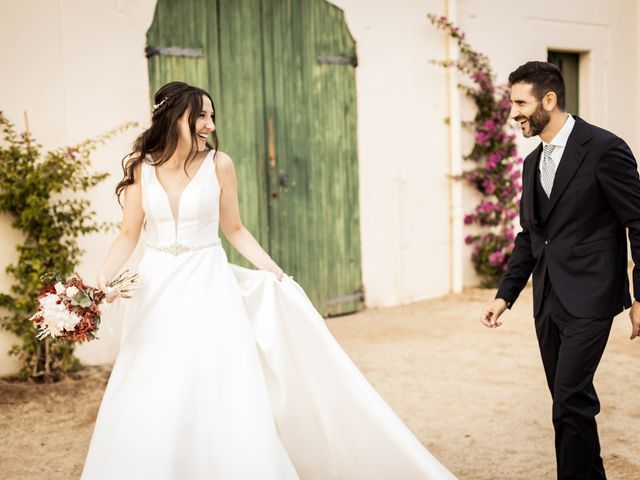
(559, 142)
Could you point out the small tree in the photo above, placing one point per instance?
(36, 191)
(496, 173)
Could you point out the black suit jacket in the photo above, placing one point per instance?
(581, 245)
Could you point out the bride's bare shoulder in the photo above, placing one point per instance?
(224, 163)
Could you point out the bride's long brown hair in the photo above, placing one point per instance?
(157, 143)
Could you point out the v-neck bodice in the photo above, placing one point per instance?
(197, 208)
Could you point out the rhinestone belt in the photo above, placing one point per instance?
(179, 248)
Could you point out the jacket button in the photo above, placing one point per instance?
(546, 242)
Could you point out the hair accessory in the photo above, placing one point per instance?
(158, 105)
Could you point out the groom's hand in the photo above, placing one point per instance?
(493, 311)
(634, 314)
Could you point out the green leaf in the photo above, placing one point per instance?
(81, 299)
(50, 277)
(37, 191)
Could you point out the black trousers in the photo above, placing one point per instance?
(571, 349)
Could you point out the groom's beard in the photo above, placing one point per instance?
(537, 121)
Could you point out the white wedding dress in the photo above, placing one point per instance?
(227, 373)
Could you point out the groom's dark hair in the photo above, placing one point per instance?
(545, 77)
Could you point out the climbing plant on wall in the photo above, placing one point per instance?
(40, 192)
(494, 162)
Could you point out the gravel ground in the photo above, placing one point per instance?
(475, 397)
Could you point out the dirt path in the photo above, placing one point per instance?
(475, 397)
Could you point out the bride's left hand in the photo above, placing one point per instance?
(277, 271)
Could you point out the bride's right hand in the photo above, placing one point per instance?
(103, 284)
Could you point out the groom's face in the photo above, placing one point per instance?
(527, 110)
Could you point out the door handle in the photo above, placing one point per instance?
(271, 144)
(283, 180)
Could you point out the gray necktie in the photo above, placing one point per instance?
(548, 169)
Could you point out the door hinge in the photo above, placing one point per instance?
(337, 60)
(150, 51)
(357, 296)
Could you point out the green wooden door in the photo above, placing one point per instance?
(311, 104)
(281, 73)
(569, 65)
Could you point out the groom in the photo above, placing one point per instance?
(580, 190)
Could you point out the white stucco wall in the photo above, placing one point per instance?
(606, 32)
(404, 156)
(403, 150)
(78, 69)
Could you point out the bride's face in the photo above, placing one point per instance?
(203, 127)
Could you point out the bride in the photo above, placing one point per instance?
(225, 372)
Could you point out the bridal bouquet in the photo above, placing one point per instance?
(71, 310)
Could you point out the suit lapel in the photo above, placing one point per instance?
(572, 157)
(530, 181)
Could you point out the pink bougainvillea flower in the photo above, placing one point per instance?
(496, 259)
(489, 186)
(485, 207)
(495, 175)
